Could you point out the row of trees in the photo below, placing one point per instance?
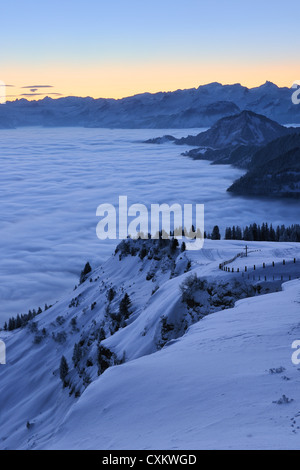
(264, 232)
(21, 320)
(253, 232)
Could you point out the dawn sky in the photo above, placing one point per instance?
(119, 48)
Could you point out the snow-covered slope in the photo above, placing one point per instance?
(212, 389)
(181, 386)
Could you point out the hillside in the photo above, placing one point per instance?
(245, 128)
(274, 171)
(269, 151)
(191, 108)
(145, 378)
(213, 389)
(231, 140)
(275, 149)
(239, 156)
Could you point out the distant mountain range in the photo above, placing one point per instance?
(200, 107)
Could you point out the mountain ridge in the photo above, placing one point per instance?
(232, 139)
(245, 128)
(268, 150)
(189, 108)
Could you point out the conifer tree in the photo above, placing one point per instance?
(76, 354)
(124, 306)
(63, 370)
(174, 245)
(111, 294)
(216, 233)
(86, 270)
(228, 234)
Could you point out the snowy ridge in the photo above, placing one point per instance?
(193, 107)
(175, 389)
(245, 128)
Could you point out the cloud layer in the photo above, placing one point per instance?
(52, 181)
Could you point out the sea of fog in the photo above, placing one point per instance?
(52, 180)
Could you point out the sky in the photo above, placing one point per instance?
(119, 48)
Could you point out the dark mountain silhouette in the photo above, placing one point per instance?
(274, 170)
(245, 128)
(231, 140)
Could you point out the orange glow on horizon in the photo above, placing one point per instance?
(118, 81)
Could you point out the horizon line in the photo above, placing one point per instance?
(62, 96)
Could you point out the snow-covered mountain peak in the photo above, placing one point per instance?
(244, 128)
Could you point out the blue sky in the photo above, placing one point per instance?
(79, 41)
